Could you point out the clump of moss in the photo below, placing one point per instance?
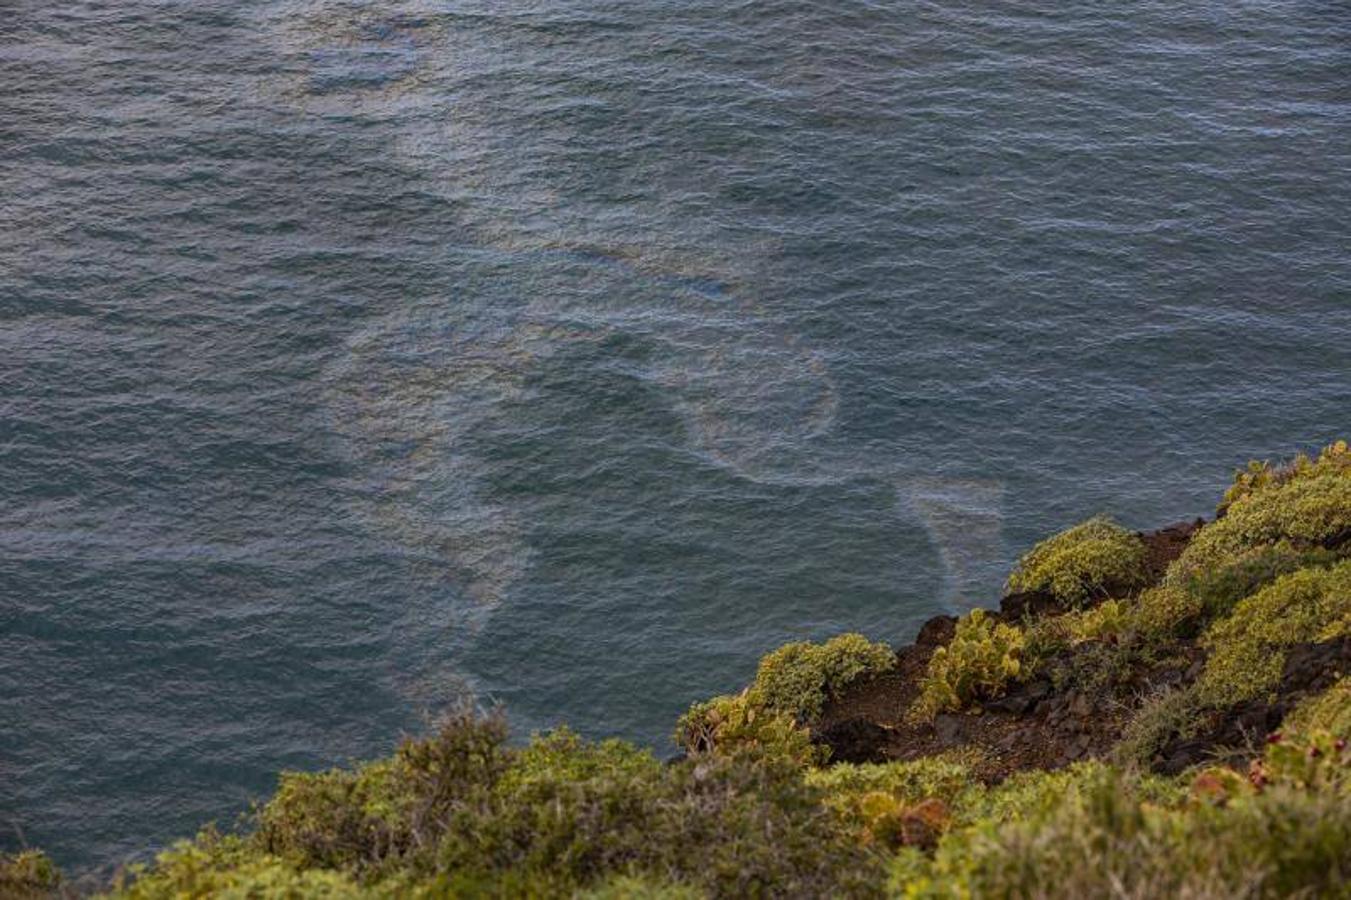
(979, 662)
(1089, 560)
(1247, 649)
(28, 875)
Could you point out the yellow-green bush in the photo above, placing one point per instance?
(628, 887)
(1162, 717)
(797, 678)
(1106, 621)
(897, 803)
(979, 662)
(769, 719)
(27, 875)
(1329, 711)
(1083, 562)
(1316, 761)
(461, 814)
(1219, 589)
(1166, 611)
(1036, 793)
(944, 777)
(1247, 649)
(1260, 476)
(739, 725)
(1305, 512)
(376, 816)
(223, 870)
(1116, 835)
(1112, 622)
(726, 826)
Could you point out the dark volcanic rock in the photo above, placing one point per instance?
(1166, 544)
(1309, 669)
(948, 728)
(936, 632)
(1015, 607)
(855, 741)
(1314, 667)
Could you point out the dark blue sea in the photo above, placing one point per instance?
(358, 355)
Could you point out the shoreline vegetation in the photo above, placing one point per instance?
(1144, 715)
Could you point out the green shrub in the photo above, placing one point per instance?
(797, 678)
(982, 658)
(1218, 590)
(1043, 639)
(1167, 611)
(1050, 636)
(1086, 561)
(1260, 476)
(1247, 649)
(628, 887)
(906, 803)
(1162, 717)
(734, 726)
(204, 868)
(1305, 512)
(897, 803)
(1329, 711)
(769, 719)
(28, 874)
(945, 777)
(461, 814)
(1105, 622)
(378, 815)
(580, 814)
(1316, 761)
(1116, 835)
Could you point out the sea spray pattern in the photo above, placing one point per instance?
(577, 353)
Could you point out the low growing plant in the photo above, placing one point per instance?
(1306, 513)
(739, 725)
(1166, 715)
(792, 684)
(797, 678)
(979, 662)
(28, 875)
(1086, 561)
(1329, 711)
(1259, 476)
(1113, 835)
(1247, 649)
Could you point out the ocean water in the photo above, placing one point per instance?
(356, 355)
